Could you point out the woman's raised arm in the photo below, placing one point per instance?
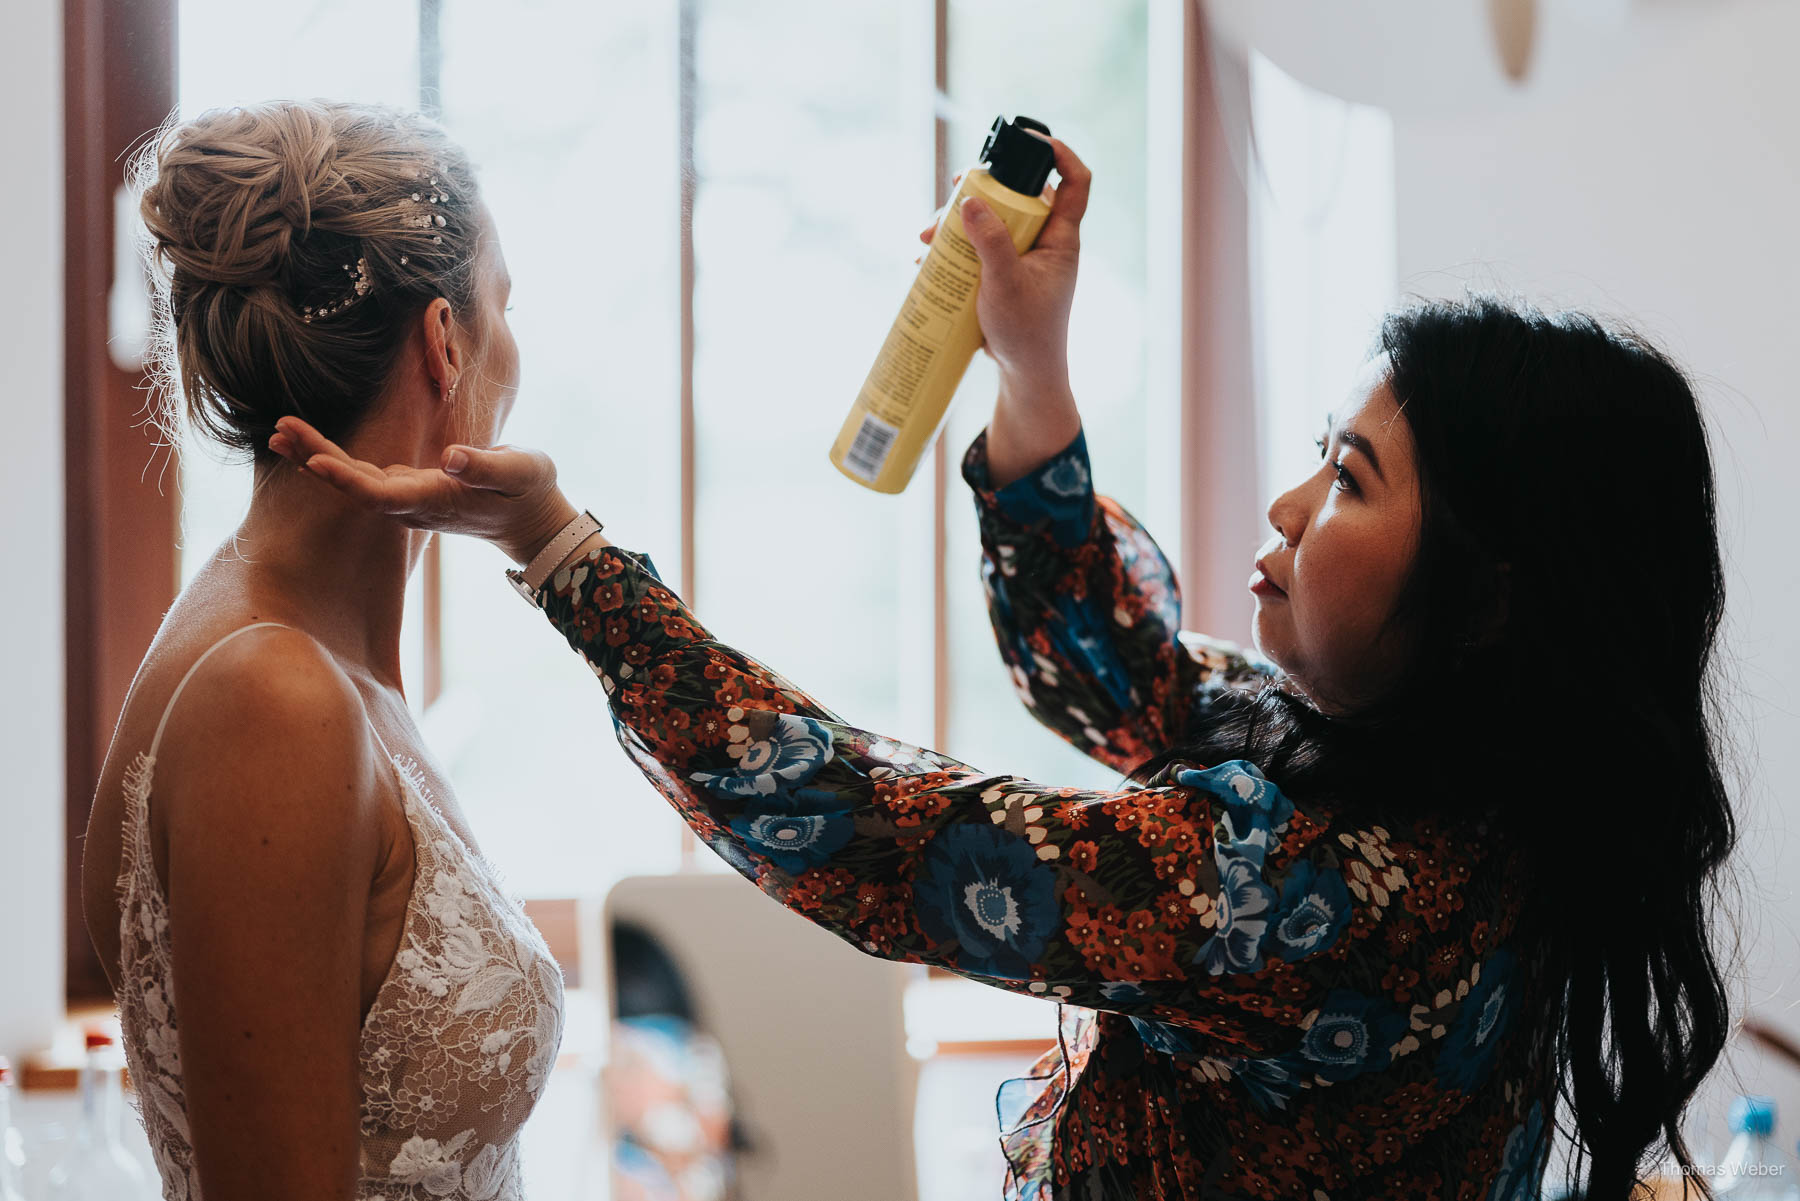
(1087, 613)
(1207, 908)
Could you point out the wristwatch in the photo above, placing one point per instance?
(527, 582)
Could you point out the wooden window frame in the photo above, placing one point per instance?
(123, 522)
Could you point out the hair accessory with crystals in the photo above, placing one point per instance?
(431, 192)
(289, 259)
(435, 195)
(359, 287)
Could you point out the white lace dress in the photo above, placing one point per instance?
(455, 1050)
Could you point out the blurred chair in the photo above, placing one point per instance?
(812, 1033)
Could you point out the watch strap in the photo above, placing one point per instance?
(579, 529)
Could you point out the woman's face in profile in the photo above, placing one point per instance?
(494, 384)
(1346, 539)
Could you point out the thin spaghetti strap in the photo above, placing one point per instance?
(378, 741)
(176, 695)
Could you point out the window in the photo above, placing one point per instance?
(812, 161)
(569, 113)
(227, 56)
(1091, 63)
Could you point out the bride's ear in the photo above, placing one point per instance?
(443, 348)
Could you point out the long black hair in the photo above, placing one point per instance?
(1559, 625)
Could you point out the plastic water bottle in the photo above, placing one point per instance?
(1754, 1167)
(12, 1144)
(97, 1167)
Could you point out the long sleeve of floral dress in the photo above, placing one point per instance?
(1108, 900)
(1245, 953)
(1087, 614)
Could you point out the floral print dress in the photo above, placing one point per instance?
(1263, 996)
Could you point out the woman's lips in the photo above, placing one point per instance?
(1262, 585)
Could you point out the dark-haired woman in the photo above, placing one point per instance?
(1373, 897)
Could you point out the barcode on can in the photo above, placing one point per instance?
(874, 438)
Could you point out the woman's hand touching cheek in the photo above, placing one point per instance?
(506, 495)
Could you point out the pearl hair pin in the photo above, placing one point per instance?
(437, 196)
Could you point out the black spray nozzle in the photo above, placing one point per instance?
(1015, 158)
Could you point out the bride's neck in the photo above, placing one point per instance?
(333, 568)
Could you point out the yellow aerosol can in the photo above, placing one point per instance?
(907, 395)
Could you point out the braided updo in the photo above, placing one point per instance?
(290, 243)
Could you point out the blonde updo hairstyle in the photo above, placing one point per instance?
(258, 220)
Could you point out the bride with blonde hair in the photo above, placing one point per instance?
(325, 991)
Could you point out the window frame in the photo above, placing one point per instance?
(120, 525)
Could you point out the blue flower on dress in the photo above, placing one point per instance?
(1066, 475)
(1124, 992)
(1315, 908)
(1254, 809)
(794, 842)
(989, 891)
(1086, 640)
(1521, 1176)
(1060, 493)
(1467, 1053)
(1270, 1082)
(790, 754)
(1352, 1034)
(1166, 1037)
(1244, 904)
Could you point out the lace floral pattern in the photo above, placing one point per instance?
(463, 1034)
(146, 1009)
(455, 1051)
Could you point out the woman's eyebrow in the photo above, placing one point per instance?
(1352, 438)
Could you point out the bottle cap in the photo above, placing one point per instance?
(1016, 158)
(1752, 1115)
(97, 1039)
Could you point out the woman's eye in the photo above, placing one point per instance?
(1345, 480)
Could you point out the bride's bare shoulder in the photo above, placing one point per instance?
(269, 730)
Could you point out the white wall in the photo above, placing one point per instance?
(1321, 182)
(1665, 190)
(31, 645)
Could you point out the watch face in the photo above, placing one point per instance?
(517, 580)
